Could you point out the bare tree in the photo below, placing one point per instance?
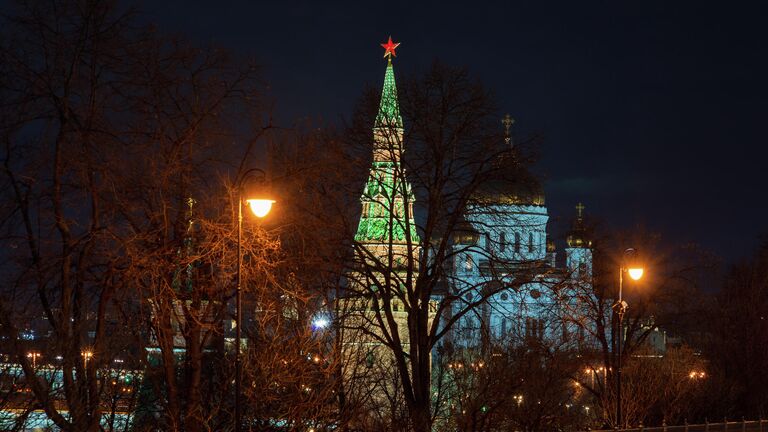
(111, 133)
(735, 336)
(59, 117)
(665, 292)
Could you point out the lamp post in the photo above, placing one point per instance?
(260, 204)
(34, 356)
(87, 355)
(635, 271)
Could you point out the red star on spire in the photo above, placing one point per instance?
(390, 47)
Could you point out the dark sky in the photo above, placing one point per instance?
(652, 113)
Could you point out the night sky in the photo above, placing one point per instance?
(652, 113)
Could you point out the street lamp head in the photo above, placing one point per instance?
(635, 273)
(260, 206)
(632, 264)
(255, 191)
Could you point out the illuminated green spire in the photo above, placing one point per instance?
(387, 197)
(384, 207)
(389, 109)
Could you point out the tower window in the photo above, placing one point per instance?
(488, 242)
(530, 242)
(502, 242)
(517, 242)
(468, 264)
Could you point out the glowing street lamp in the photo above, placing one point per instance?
(635, 270)
(260, 207)
(260, 203)
(635, 273)
(697, 374)
(34, 356)
(86, 355)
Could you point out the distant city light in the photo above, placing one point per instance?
(320, 323)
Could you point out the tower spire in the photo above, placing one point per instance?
(578, 236)
(387, 200)
(389, 109)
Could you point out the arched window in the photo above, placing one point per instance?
(530, 242)
(517, 242)
(488, 243)
(502, 242)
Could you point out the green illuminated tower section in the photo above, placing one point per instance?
(387, 200)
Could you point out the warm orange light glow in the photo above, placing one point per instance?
(86, 354)
(260, 207)
(635, 273)
(34, 356)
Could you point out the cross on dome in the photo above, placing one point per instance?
(580, 209)
(507, 121)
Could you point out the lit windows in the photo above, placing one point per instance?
(468, 263)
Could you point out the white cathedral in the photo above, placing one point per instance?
(506, 235)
